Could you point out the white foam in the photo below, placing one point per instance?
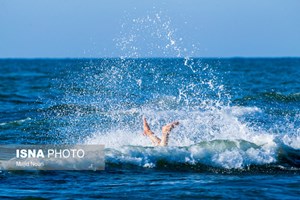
(213, 153)
(15, 122)
(195, 126)
(292, 141)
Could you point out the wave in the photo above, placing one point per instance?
(215, 156)
(271, 97)
(216, 140)
(15, 122)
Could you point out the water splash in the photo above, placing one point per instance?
(111, 96)
(151, 36)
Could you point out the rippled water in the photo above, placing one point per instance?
(239, 133)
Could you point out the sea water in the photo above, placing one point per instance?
(239, 132)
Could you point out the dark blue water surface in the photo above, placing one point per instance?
(239, 132)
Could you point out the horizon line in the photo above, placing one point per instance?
(121, 57)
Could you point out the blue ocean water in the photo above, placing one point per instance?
(239, 132)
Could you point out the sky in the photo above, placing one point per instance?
(156, 28)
